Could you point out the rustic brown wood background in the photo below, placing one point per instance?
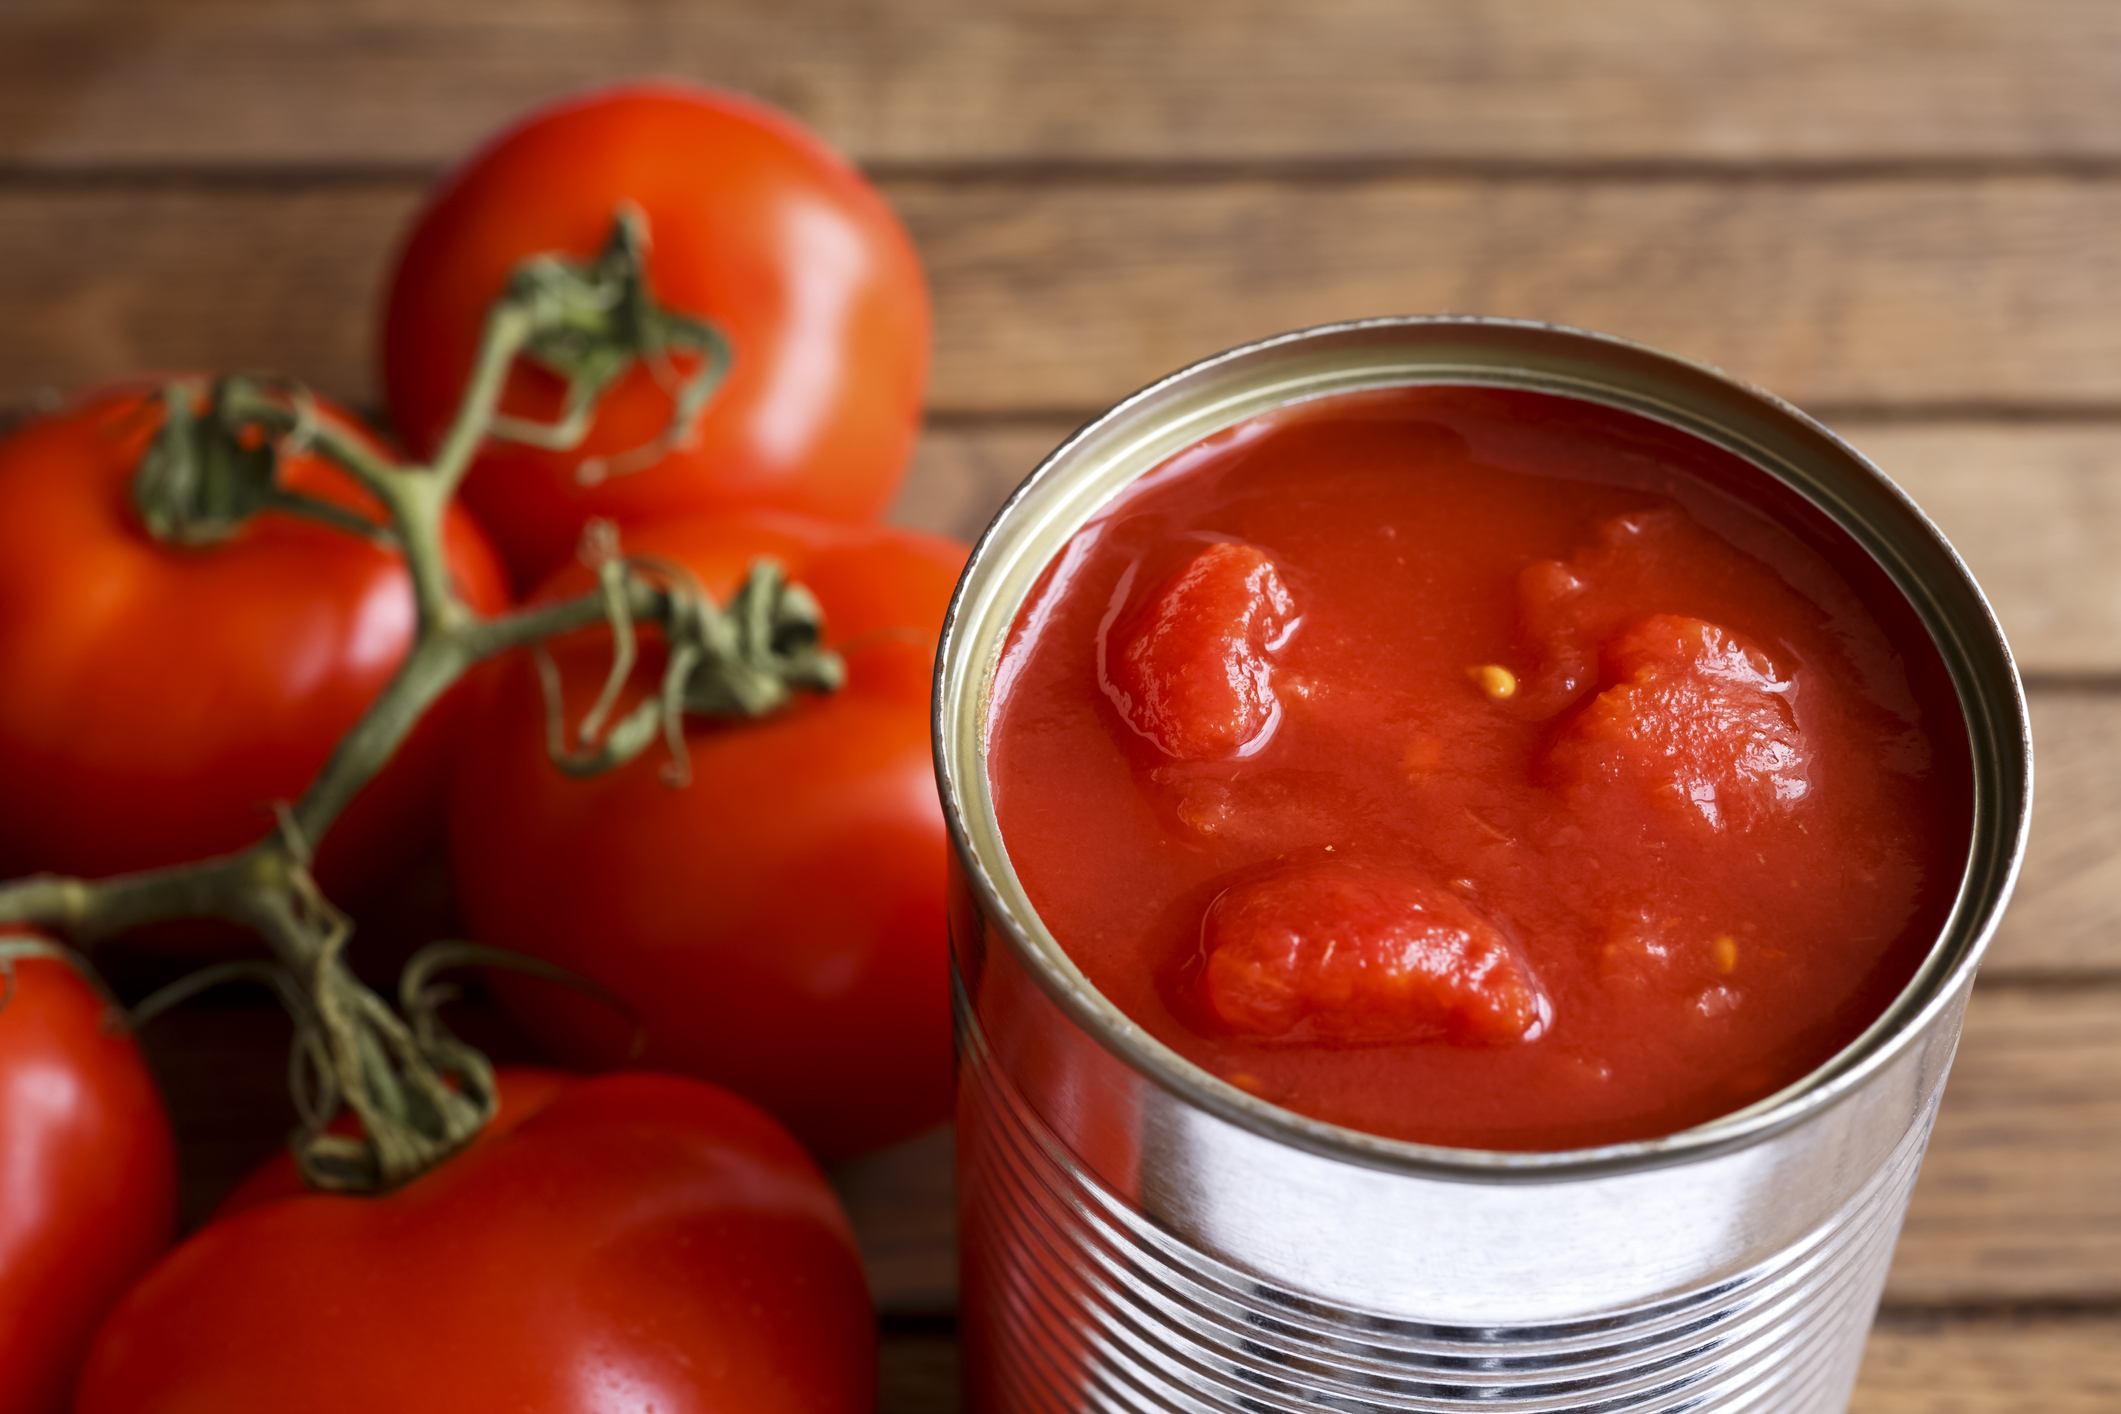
(1903, 214)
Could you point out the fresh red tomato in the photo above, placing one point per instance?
(160, 698)
(88, 1179)
(778, 922)
(641, 1242)
(756, 226)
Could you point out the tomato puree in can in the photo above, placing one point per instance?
(1480, 767)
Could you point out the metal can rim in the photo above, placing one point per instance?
(1984, 675)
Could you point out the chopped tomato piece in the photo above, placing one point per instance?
(1699, 724)
(1566, 608)
(1340, 952)
(1189, 669)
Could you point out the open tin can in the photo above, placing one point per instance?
(1139, 1235)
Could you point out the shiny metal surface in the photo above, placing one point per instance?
(1139, 1235)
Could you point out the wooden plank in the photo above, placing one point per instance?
(1066, 295)
(98, 284)
(939, 81)
(961, 474)
(2050, 1365)
(1924, 292)
(2018, 1199)
(2066, 916)
(2036, 512)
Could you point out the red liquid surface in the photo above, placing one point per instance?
(1480, 768)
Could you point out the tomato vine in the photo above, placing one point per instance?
(418, 1092)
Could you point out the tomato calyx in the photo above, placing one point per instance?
(591, 322)
(419, 1093)
(743, 661)
(211, 467)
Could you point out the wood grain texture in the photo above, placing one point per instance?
(99, 284)
(1065, 295)
(2036, 512)
(2065, 918)
(1909, 292)
(2053, 1365)
(2018, 1199)
(957, 81)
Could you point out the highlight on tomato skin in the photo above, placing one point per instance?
(754, 225)
(1331, 951)
(1190, 668)
(161, 697)
(89, 1198)
(639, 1241)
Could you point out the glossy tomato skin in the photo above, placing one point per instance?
(159, 697)
(778, 922)
(755, 225)
(89, 1193)
(641, 1242)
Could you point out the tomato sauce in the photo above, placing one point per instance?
(1482, 768)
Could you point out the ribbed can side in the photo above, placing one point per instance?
(1075, 1302)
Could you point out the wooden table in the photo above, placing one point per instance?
(1905, 215)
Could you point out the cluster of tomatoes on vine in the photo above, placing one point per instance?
(760, 894)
